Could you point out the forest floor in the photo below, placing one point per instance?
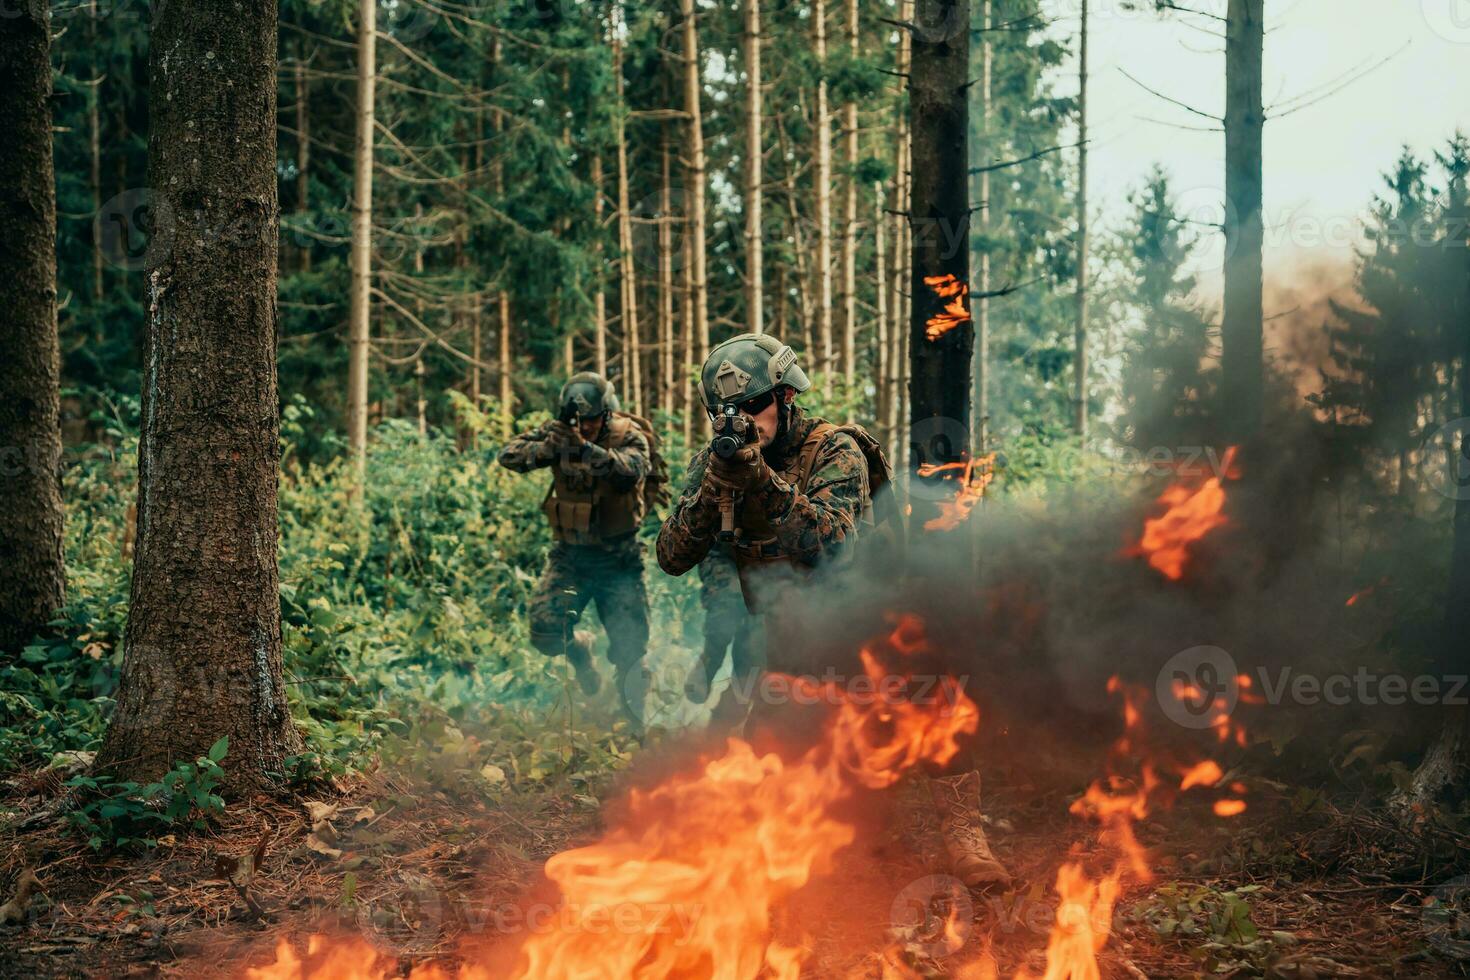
(1278, 892)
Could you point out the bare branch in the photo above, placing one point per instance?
(1166, 98)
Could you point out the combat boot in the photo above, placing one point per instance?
(957, 798)
(579, 655)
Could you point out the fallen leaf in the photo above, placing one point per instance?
(365, 815)
(316, 811)
(493, 774)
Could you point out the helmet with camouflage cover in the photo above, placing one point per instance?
(747, 367)
(586, 395)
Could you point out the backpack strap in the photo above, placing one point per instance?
(810, 450)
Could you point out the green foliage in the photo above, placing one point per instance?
(1215, 923)
(112, 814)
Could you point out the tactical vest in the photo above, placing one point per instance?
(584, 508)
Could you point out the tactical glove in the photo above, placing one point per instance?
(561, 437)
(741, 472)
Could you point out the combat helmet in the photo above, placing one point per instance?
(747, 367)
(586, 396)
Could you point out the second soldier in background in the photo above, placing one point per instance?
(601, 460)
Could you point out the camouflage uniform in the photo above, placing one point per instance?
(801, 522)
(590, 561)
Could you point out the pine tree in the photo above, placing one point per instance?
(203, 641)
(32, 576)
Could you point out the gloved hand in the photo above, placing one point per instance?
(561, 437)
(741, 473)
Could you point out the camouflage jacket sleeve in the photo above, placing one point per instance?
(820, 523)
(528, 451)
(689, 530)
(625, 461)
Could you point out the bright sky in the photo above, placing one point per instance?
(1321, 163)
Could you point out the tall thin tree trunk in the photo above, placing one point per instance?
(94, 139)
(32, 576)
(881, 363)
(755, 313)
(692, 404)
(632, 364)
(203, 634)
(698, 279)
(666, 275)
(1242, 369)
(823, 186)
(599, 297)
(982, 301)
(303, 155)
(1080, 357)
(503, 361)
(940, 360)
(898, 358)
(360, 294)
(850, 215)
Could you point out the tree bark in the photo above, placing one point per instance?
(632, 364)
(822, 182)
(94, 139)
(599, 297)
(1080, 356)
(203, 636)
(880, 333)
(698, 281)
(940, 364)
(755, 313)
(850, 216)
(32, 575)
(360, 294)
(898, 359)
(982, 302)
(1242, 369)
(666, 275)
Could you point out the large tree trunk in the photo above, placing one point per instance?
(1242, 370)
(755, 313)
(203, 636)
(360, 293)
(850, 215)
(982, 281)
(1080, 355)
(698, 282)
(822, 182)
(31, 570)
(940, 360)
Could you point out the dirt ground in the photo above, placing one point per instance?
(1328, 892)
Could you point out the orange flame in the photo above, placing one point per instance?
(954, 312)
(1189, 515)
(973, 477)
(694, 873)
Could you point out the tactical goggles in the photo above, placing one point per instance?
(758, 404)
